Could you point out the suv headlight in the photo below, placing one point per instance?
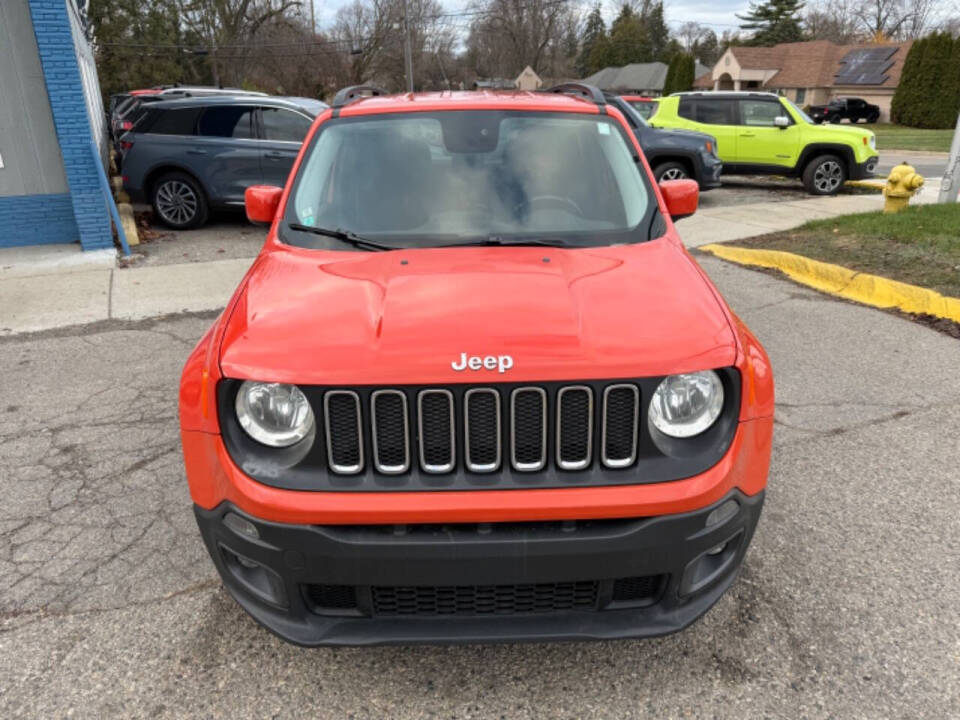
(274, 414)
(873, 142)
(685, 405)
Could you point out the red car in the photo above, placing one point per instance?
(646, 106)
(474, 388)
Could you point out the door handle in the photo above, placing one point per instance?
(276, 154)
(748, 134)
(196, 151)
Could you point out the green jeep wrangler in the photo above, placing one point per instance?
(765, 134)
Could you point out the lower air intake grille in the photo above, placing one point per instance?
(635, 589)
(485, 599)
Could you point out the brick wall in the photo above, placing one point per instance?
(37, 219)
(51, 25)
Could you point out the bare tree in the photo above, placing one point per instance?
(371, 35)
(896, 19)
(835, 20)
(689, 34)
(508, 35)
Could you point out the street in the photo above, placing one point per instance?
(846, 606)
(930, 165)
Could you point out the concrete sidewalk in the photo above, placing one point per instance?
(55, 286)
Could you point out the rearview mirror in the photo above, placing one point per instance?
(781, 121)
(261, 203)
(681, 197)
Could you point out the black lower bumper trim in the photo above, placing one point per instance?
(498, 582)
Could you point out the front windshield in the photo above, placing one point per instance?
(419, 179)
(800, 113)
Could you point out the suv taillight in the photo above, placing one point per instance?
(126, 125)
(126, 144)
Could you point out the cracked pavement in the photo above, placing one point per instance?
(846, 607)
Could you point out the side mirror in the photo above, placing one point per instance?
(261, 202)
(681, 197)
(781, 121)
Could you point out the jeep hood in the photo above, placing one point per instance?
(402, 317)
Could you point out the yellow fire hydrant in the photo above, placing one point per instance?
(902, 183)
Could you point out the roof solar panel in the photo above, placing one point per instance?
(865, 66)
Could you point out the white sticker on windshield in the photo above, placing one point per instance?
(603, 128)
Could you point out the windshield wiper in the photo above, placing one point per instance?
(345, 235)
(500, 240)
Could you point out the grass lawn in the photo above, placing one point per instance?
(920, 245)
(898, 137)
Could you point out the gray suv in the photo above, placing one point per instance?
(189, 156)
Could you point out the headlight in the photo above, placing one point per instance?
(274, 414)
(873, 141)
(685, 405)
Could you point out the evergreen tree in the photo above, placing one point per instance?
(670, 81)
(907, 94)
(773, 22)
(707, 48)
(628, 40)
(657, 32)
(595, 31)
(132, 40)
(680, 74)
(937, 105)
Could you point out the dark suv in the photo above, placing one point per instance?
(849, 108)
(673, 154)
(188, 156)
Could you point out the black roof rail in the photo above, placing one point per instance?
(353, 92)
(588, 92)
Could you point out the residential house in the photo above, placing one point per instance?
(635, 79)
(814, 72)
(528, 80)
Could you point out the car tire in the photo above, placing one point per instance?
(179, 202)
(824, 175)
(670, 171)
(874, 117)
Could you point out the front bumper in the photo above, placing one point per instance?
(866, 169)
(480, 582)
(711, 167)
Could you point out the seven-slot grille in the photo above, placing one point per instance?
(485, 428)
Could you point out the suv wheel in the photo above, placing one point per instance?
(179, 201)
(670, 171)
(824, 175)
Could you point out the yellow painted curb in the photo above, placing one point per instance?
(129, 224)
(877, 185)
(861, 287)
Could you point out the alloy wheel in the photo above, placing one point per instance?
(176, 202)
(673, 174)
(828, 176)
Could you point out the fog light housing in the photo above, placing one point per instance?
(723, 513)
(241, 526)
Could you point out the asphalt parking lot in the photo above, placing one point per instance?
(846, 606)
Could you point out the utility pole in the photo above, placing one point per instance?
(950, 184)
(407, 52)
(313, 21)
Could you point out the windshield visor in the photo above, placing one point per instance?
(418, 179)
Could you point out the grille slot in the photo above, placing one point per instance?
(436, 420)
(481, 421)
(528, 428)
(637, 589)
(485, 599)
(574, 427)
(391, 431)
(344, 429)
(621, 405)
(333, 597)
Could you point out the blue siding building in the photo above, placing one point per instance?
(50, 113)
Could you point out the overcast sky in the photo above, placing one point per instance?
(718, 14)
